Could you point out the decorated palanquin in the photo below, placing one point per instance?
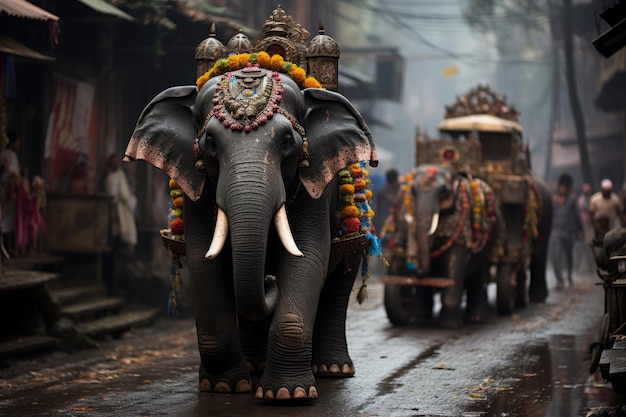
(281, 48)
(481, 136)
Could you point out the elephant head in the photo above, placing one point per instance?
(255, 135)
(433, 189)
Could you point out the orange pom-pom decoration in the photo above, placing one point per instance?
(176, 226)
(173, 184)
(178, 202)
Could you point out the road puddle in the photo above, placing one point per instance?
(548, 378)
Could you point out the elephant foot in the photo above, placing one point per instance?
(287, 390)
(223, 387)
(334, 370)
(476, 317)
(225, 383)
(538, 297)
(449, 320)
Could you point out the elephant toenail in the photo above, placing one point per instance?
(283, 394)
(259, 393)
(314, 368)
(347, 370)
(312, 392)
(205, 385)
(243, 385)
(323, 368)
(334, 369)
(269, 395)
(223, 387)
(299, 393)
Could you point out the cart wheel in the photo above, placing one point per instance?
(596, 348)
(505, 292)
(400, 303)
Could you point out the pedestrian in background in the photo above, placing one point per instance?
(9, 181)
(566, 229)
(584, 261)
(386, 198)
(124, 228)
(606, 204)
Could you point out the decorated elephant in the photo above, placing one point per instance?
(442, 232)
(538, 288)
(260, 155)
(522, 272)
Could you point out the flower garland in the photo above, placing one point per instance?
(177, 231)
(354, 215)
(263, 60)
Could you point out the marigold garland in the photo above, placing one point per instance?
(263, 60)
(177, 232)
(354, 215)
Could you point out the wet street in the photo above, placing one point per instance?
(532, 364)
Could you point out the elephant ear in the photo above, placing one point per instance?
(164, 137)
(337, 135)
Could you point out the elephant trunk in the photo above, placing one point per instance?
(249, 198)
(427, 221)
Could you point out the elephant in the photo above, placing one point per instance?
(257, 156)
(528, 273)
(444, 225)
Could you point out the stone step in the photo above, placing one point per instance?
(92, 307)
(118, 323)
(36, 262)
(26, 344)
(68, 295)
(16, 279)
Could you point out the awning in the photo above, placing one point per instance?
(480, 123)
(103, 7)
(12, 47)
(22, 8)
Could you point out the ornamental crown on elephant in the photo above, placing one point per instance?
(260, 158)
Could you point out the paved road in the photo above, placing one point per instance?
(531, 364)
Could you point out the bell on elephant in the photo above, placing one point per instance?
(208, 52)
(323, 59)
(238, 44)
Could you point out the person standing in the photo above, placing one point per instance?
(583, 255)
(566, 229)
(607, 205)
(124, 228)
(9, 181)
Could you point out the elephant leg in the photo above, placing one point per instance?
(520, 288)
(253, 336)
(288, 374)
(330, 348)
(477, 307)
(223, 366)
(538, 289)
(454, 266)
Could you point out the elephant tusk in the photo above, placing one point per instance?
(219, 236)
(284, 232)
(434, 224)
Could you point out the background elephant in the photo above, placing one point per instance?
(445, 225)
(532, 234)
(260, 187)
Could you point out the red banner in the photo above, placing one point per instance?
(72, 137)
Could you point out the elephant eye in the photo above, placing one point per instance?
(211, 145)
(288, 141)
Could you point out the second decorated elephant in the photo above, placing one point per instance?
(261, 193)
(444, 225)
